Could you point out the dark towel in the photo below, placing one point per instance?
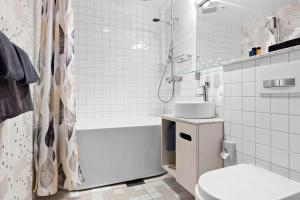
(30, 75)
(171, 137)
(16, 72)
(15, 99)
(10, 66)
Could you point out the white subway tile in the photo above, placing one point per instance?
(295, 162)
(280, 122)
(236, 89)
(263, 120)
(236, 117)
(263, 164)
(227, 128)
(249, 89)
(249, 148)
(227, 77)
(227, 102)
(279, 105)
(227, 90)
(295, 124)
(236, 76)
(263, 104)
(280, 140)
(236, 131)
(227, 115)
(263, 152)
(295, 143)
(249, 103)
(280, 157)
(248, 159)
(263, 136)
(249, 74)
(295, 176)
(280, 170)
(236, 103)
(249, 133)
(294, 105)
(249, 118)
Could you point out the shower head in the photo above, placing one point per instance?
(163, 21)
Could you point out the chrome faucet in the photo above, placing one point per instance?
(204, 94)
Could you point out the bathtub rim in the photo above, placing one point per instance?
(89, 125)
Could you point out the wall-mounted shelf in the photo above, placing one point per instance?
(273, 53)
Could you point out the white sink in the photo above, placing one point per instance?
(195, 110)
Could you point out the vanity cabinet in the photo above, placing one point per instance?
(198, 148)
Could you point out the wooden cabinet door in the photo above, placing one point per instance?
(209, 147)
(186, 156)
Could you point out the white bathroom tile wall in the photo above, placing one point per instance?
(280, 140)
(118, 59)
(184, 43)
(185, 40)
(266, 128)
(16, 135)
(216, 42)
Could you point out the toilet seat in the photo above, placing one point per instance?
(246, 182)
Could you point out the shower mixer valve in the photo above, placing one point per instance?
(174, 79)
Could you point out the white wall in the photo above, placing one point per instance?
(118, 56)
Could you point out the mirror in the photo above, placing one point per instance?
(228, 29)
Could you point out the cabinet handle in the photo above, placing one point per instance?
(186, 137)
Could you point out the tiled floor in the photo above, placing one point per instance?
(160, 188)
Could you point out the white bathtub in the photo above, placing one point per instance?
(118, 151)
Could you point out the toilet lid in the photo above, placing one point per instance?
(246, 182)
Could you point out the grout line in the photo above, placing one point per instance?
(270, 132)
(289, 142)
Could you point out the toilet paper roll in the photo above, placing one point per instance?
(224, 155)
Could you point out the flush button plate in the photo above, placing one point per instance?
(275, 83)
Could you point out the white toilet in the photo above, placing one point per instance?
(245, 182)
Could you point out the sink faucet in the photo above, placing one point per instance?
(204, 94)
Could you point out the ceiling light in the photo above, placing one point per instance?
(200, 3)
(205, 5)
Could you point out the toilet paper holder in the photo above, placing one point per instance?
(228, 153)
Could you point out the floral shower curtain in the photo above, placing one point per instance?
(55, 149)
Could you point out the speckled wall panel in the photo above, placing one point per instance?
(16, 21)
(253, 32)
